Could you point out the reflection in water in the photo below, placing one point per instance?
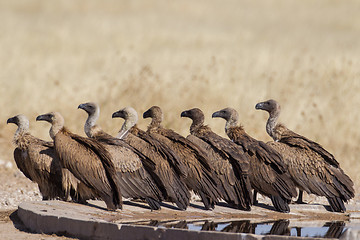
(280, 227)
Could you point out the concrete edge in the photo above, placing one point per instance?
(42, 222)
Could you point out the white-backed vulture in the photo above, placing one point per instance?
(228, 151)
(313, 169)
(268, 172)
(199, 175)
(37, 160)
(135, 181)
(172, 187)
(87, 159)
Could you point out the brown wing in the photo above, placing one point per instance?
(256, 148)
(173, 136)
(136, 182)
(227, 149)
(166, 152)
(47, 169)
(296, 140)
(71, 186)
(75, 189)
(269, 182)
(229, 187)
(197, 177)
(268, 172)
(237, 158)
(90, 163)
(21, 157)
(314, 175)
(172, 188)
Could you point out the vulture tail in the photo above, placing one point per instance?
(336, 204)
(206, 200)
(280, 204)
(243, 194)
(179, 194)
(154, 205)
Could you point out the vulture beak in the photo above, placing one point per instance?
(44, 117)
(147, 114)
(118, 114)
(11, 120)
(82, 106)
(216, 114)
(259, 105)
(184, 114)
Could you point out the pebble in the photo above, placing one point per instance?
(9, 165)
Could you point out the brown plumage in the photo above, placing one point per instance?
(225, 149)
(87, 159)
(37, 160)
(135, 181)
(268, 173)
(199, 175)
(167, 180)
(314, 169)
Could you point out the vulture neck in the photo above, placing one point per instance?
(57, 125)
(127, 125)
(155, 123)
(22, 129)
(90, 128)
(231, 123)
(196, 125)
(271, 123)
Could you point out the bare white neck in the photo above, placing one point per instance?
(91, 121)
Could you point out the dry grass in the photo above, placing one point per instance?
(183, 54)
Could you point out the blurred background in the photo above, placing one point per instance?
(182, 54)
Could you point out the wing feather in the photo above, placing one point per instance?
(293, 139)
(90, 163)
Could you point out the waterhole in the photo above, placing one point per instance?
(281, 227)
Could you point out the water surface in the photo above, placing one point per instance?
(281, 227)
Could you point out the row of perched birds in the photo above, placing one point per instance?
(161, 165)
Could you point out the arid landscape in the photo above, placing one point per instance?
(179, 55)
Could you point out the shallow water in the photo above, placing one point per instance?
(281, 227)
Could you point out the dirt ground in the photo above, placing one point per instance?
(14, 189)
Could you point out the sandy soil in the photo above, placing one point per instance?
(14, 189)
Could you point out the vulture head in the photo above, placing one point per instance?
(156, 115)
(229, 114)
(91, 108)
(93, 112)
(19, 120)
(194, 114)
(154, 112)
(56, 120)
(130, 116)
(271, 106)
(127, 113)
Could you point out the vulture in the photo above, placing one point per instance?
(226, 157)
(199, 175)
(268, 172)
(170, 184)
(86, 159)
(37, 160)
(312, 168)
(135, 181)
